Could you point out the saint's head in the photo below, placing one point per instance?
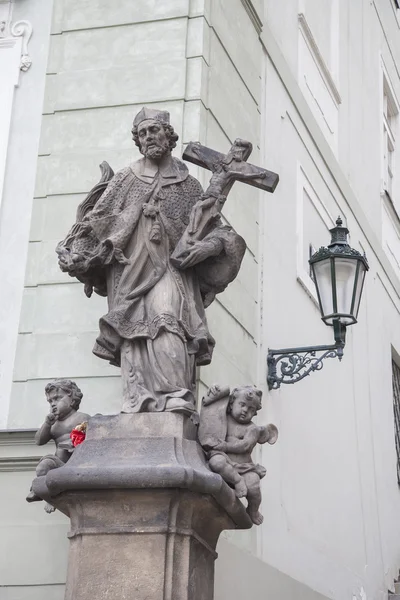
(153, 134)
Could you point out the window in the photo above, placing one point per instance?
(318, 51)
(396, 410)
(390, 125)
(313, 222)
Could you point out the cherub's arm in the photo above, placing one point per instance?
(267, 434)
(241, 446)
(43, 435)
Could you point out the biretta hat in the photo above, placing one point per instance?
(151, 113)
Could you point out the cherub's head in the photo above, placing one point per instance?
(64, 397)
(244, 402)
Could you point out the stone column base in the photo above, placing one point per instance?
(142, 544)
(145, 510)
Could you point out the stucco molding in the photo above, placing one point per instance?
(17, 437)
(23, 29)
(10, 32)
(253, 14)
(318, 58)
(17, 463)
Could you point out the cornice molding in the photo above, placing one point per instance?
(17, 437)
(319, 59)
(17, 463)
(253, 14)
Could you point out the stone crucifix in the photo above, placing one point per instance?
(226, 169)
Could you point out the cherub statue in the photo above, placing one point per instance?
(228, 437)
(64, 398)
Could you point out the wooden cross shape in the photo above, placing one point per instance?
(226, 169)
(234, 163)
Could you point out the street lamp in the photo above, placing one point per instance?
(338, 273)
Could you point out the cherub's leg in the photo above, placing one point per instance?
(253, 497)
(219, 464)
(32, 497)
(49, 508)
(44, 466)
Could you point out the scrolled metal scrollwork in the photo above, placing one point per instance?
(293, 365)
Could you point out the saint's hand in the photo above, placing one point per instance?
(199, 251)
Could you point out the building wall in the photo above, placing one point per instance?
(98, 77)
(332, 486)
(23, 92)
(307, 91)
(34, 545)
(103, 65)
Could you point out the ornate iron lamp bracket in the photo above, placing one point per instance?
(290, 365)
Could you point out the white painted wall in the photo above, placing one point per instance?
(331, 490)
(18, 175)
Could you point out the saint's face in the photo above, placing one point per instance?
(60, 404)
(243, 409)
(152, 138)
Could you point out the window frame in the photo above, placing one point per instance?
(396, 412)
(304, 186)
(390, 117)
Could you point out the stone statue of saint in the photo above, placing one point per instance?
(121, 246)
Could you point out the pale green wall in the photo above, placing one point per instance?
(104, 64)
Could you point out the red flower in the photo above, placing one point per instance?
(78, 434)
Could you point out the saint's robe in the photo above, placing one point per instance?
(156, 327)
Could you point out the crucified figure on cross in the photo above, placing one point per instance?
(226, 169)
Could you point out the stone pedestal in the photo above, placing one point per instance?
(145, 510)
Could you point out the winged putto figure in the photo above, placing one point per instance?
(228, 437)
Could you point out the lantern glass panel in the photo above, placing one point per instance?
(323, 283)
(359, 287)
(345, 273)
